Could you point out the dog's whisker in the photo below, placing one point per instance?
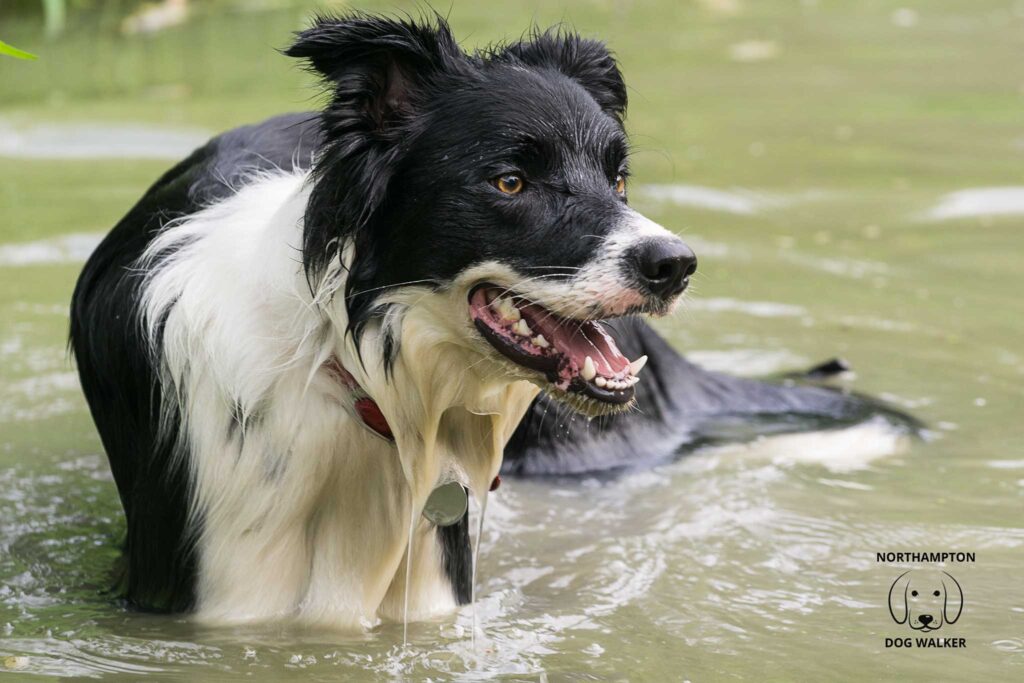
(396, 285)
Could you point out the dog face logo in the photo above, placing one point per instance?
(925, 600)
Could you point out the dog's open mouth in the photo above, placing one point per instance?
(577, 358)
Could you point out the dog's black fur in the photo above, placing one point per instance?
(409, 107)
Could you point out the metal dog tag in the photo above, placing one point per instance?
(446, 504)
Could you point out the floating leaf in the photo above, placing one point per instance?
(6, 49)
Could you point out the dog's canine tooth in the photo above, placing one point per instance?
(506, 309)
(521, 328)
(636, 366)
(540, 341)
(588, 372)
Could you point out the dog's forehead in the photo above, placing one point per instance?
(510, 104)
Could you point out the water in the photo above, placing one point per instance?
(850, 175)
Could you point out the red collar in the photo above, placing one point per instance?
(364, 407)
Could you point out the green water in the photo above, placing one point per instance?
(808, 150)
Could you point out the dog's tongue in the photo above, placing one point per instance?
(576, 340)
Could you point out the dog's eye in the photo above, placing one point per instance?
(914, 593)
(620, 185)
(936, 593)
(509, 184)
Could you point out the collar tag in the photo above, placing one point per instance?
(446, 504)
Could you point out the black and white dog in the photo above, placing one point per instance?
(308, 326)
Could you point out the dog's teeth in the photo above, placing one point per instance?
(633, 380)
(522, 329)
(636, 366)
(540, 341)
(601, 382)
(506, 309)
(588, 372)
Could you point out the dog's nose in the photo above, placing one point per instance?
(925, 619)
(664, 266)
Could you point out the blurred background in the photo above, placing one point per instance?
(851, 175)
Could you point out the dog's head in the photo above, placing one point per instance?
(925, 600)
(495, 182)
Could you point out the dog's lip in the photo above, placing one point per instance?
(575, 358)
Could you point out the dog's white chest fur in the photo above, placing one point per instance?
(302, 511)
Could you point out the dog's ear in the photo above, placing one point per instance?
(898, 598)
(952, 600)
(379, 71)
(588, 62)
(377, 67)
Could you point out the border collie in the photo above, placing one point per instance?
(308, 328)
